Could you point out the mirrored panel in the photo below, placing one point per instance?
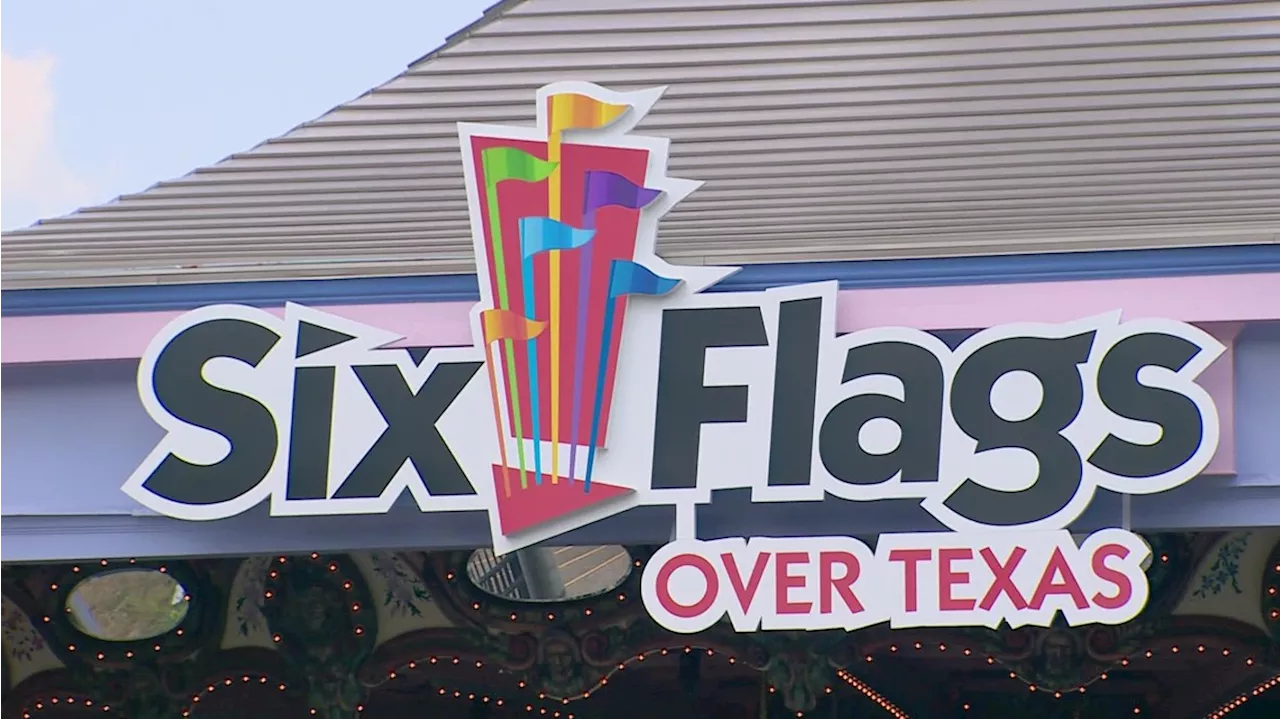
(550, 574)
(128, 605)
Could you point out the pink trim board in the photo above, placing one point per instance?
(1218, 298)
(1220, 303)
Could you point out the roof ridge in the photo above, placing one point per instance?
(491, 13)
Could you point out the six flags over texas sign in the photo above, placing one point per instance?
(602, 378)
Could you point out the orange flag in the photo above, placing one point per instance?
(507, 325)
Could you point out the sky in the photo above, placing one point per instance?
(102, 99)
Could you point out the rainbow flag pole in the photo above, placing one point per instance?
(497, 419)
(537, 235)
(503, 325)
(625, 278)
(553, 267)
(597, 404)
(602, 189)
(566, 111)
(501, 164)
(531, 353)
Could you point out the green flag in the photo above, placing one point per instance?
(508, 163)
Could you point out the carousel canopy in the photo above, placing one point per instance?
(376, 635)
(823, 130)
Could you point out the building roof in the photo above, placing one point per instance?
(823, 129)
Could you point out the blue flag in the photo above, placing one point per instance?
(629, 278)
(540, 234)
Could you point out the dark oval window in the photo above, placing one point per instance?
(128, 605)
(550, 574)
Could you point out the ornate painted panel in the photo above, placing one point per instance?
(401, 634)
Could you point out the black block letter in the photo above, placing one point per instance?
(309, 438)
(684, 402)
(918, 415)
(411, 431)
(181, 388)
(1053, 362)
(1178, 417)
(795, 387)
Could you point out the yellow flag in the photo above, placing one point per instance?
(571, 111)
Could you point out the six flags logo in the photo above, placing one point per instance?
(556, 214)
(1015, 428)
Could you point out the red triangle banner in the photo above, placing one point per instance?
(541, 503)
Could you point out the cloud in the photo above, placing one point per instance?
(32, 173)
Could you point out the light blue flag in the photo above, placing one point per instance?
(540, 234)
(629, 278)
(625, 278)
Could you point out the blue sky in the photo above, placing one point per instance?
(102, 98)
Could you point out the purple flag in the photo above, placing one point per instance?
(607, 188)
(601, 189)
